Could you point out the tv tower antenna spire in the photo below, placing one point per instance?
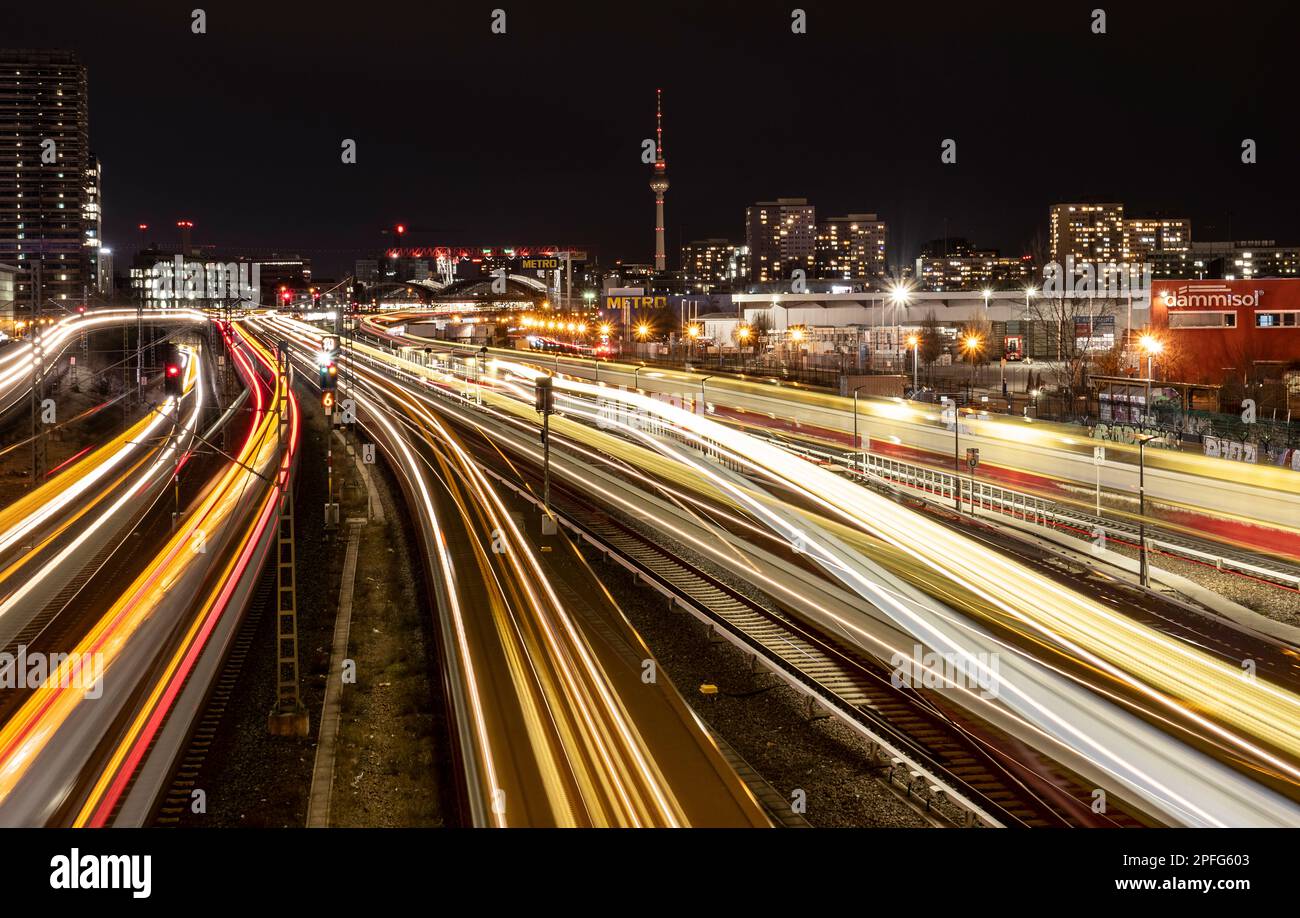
(659, 183)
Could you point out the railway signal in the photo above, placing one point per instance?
(326, 364)
(172, 383)
(327, 402)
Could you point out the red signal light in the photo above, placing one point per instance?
(401, 229)
(173, 370)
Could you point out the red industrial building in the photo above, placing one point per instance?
(1226, 331)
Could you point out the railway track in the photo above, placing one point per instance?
(949, 769)
(177, 800)
(1161, 540)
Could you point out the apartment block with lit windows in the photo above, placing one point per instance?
(708, 264)
(1096, 233)
(781, 236)
(851, 247)
(1151, 236)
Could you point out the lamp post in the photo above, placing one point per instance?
(956, 453)
(857, 442)
(692, 334)
(704, 404)
(636, 377)
(914, 342)
(971, 344)
(898, 296)
(1151, 346)
(1144, 568)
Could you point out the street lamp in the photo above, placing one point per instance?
(1151, 346)
(898, 296)
(743, 334)
(857, 442)
(971, 344)
(914, 342)
(1144, 565)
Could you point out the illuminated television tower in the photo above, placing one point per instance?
(659, 183)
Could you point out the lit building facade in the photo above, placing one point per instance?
(850, 247)
(1096, 233)
(1242, 260)
(973, 270)
(781, 236)
(708, 264)
(1150, 237)
(8, 279)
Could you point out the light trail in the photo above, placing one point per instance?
(1080, 627)
(234, 513)
(597, 767)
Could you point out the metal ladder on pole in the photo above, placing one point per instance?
(289, 717)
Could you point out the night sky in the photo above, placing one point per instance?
(534, 137)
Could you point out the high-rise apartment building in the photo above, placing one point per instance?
(1094, 233)
(50, 211)
(851, 246)
(781, 236)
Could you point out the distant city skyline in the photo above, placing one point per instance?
(460, 136)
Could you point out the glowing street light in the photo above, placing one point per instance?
(796, 334)
(971, 344)
(914, 342)
(1150, 345)
(899, 295)
(643, 331)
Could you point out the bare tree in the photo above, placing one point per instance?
(1076, 324)
(932, 345)
(759, 326)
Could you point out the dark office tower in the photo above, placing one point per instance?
(49, 181)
